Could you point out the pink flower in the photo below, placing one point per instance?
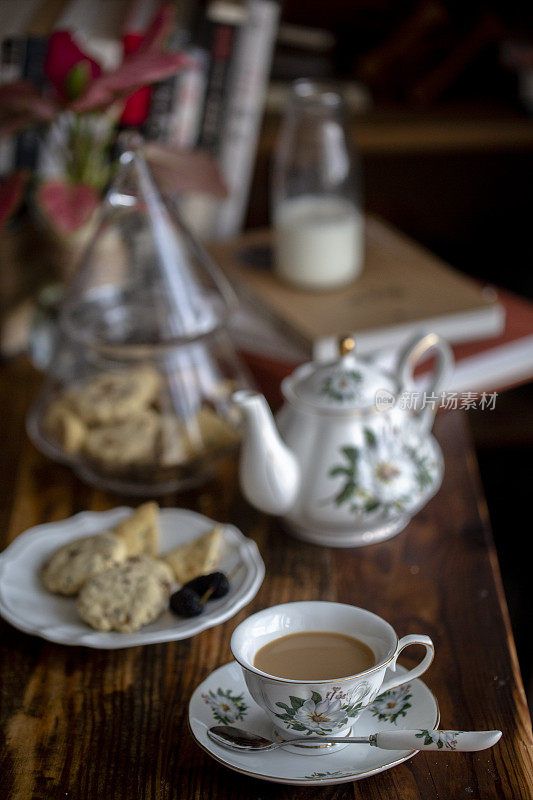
(81, 87)
(66, 206)
(78, 80)
(67, 67)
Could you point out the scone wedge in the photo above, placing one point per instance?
(197, 557)
(140, 532)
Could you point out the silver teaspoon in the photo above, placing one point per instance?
(462, 741)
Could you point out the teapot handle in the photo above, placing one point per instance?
(411, 355)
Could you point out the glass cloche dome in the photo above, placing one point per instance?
(137, 398)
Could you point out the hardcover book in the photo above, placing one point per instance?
(402, 289)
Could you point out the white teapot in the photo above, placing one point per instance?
(351, 463)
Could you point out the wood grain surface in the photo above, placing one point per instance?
(95, 725)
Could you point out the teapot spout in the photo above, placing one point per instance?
(269, 473)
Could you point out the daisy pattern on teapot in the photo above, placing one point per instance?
(386, 475)
(342, 385)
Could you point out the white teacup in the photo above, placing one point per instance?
(325, 707)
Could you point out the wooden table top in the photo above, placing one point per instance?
(79, 723)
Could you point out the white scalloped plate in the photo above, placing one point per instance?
(26, 604)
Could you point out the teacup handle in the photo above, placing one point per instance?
(415, 672)
(409, 358)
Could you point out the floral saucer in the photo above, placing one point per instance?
(222, 699)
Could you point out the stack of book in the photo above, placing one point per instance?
(403, 290)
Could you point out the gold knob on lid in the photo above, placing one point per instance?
(346, 345)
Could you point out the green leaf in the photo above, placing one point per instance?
(371, 505)
(356, 376)
(439, 744)
(339, 471)
(296, 702)
(289, 710)
(352, 710)
(316, 697)
(297, 727)
(350, 452)
(77, 80)
(345, 493)
(370, 437)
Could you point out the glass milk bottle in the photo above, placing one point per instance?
(315, 193)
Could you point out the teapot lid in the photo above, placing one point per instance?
(346, 384)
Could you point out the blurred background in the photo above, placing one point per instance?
(440, 102)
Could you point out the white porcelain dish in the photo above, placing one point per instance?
(28, 606)
(223, 699)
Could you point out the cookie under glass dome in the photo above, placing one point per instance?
(137, 397)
